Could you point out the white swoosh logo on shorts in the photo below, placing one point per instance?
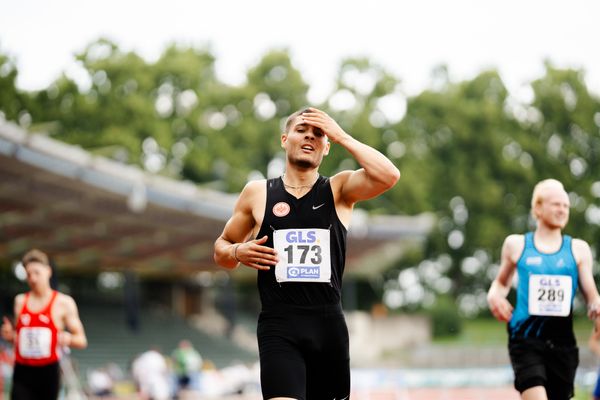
(319, 206)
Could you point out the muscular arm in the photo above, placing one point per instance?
(75, 337)
(499, 305)
(377, 174)
(231, 247)
(583, 257)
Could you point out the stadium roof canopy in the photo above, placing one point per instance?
(91, 213)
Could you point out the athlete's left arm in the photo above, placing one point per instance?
(377, 174)
(75, 337)
(583, 257)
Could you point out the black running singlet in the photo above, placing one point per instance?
(315, 210)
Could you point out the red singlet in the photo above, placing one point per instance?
(37, 336)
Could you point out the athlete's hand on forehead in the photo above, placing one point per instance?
(255, 255)
(320, 119)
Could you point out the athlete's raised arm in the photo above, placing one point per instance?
(377, 174)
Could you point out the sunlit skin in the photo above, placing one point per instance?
(305, 145)
(38, 278)
(306, 140)
(552, 215)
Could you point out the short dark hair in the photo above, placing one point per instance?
(292, 117)
(35, 255)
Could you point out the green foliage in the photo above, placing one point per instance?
(470, 152)
(445, 318)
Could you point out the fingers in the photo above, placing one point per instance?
(261, 240)
(254, 255)
(502, 310)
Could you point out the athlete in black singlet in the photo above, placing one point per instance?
(292, 229)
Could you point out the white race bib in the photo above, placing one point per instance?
(35, 342)
(550, 295)
(304, 255)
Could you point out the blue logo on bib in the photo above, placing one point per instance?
(304, 272)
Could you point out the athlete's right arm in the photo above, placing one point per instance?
(7, 331)
(231, 248)
(496, 297)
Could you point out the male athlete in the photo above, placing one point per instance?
(41, 316)
(550, 267)
(292, 229)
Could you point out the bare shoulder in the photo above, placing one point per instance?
(580, 248)
(66, 301)
(338, 180)
(253, 189)
(513, 246)
(19, 300)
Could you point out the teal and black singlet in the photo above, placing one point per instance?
(553, 266)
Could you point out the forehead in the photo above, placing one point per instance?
(298, 123)
(555, 194)
(36, 265)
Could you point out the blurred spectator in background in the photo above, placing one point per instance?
(6, 366)
(186, 362)
(100, 382)
(151, 375)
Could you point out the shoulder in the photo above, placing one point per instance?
(254, 188)
(341, 177)
(580, 247)
(338, 180)
(65, 301)
(513, 245)
(514, 241)
(251, 191)
(19, 300)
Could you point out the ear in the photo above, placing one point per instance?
(284, 137)
(327, 147)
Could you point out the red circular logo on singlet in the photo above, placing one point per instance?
(281, 209)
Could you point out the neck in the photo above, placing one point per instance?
(41, 292)
(545, 232)
(300, 180)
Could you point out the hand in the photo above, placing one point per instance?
(320, 119)
(254, 255)
(500, 308)
(7, 331)
(64, 339)
(594, 309)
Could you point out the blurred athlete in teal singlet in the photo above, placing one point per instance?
(550, 268)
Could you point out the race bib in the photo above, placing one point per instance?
(35, 342)
(304, 255)
(550, 295)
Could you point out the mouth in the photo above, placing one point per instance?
(308, 147)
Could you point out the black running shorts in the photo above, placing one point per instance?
(542, 363)
(35, 383)
(304, 352)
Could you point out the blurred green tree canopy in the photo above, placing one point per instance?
(470, 152)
